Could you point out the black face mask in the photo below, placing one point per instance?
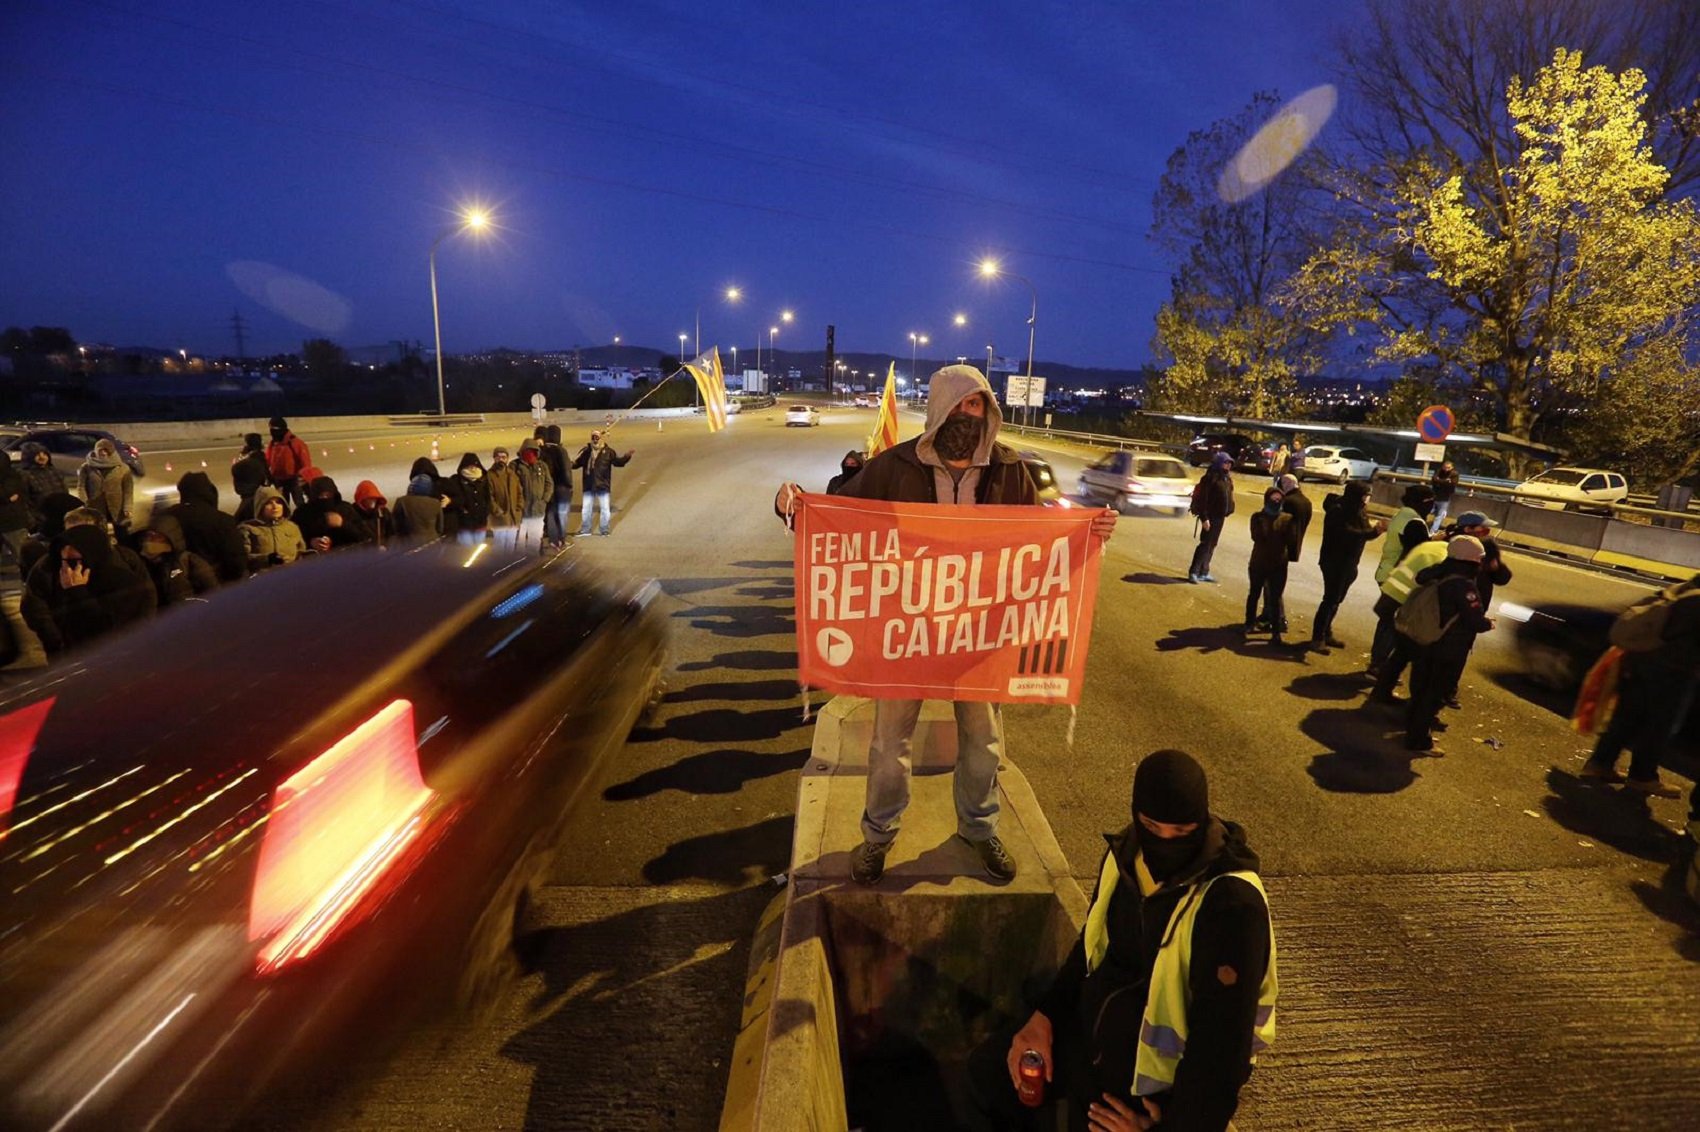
(958, 437)
(1165, 857)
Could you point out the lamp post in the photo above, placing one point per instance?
(991, 269)
(771, 331)
(472, 220)
(681, 348)
(914, 341)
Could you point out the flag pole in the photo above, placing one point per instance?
(634, 405)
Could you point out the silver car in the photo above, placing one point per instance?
(1139, 479)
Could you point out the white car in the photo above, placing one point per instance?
(1573, 489)
(1336, 465)
(867, 401)
(804, 415)
(1139, 479)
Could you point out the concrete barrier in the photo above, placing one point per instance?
(1651, 549)
(158, 434)
(1567, 533)
(864, 1002)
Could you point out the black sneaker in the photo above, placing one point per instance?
(1335, 642)
(999, 864)
(867, 863)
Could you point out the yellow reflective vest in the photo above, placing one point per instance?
(1163, 1030)
(1403, 581)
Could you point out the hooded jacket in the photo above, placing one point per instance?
(419, 513)
(507, 495)
(249, 472)
(271, 544)
(1217, 492)
(847, 469)
(911, 472)
(327, 515)
(1461, 608)
(1346, 528)
(536, 480)
(107, 485)
(468, 508)
(287, 456)
(14, 503)
(374, 511)
(207, 531)
(68, 618)
(555, 456)
(179, 574)
(599, 462)
(1297, 504)
(39, 481)
(1271, 540)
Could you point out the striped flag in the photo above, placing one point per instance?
(885, 425)
(711, 382)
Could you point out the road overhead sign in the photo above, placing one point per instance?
(1434, 424)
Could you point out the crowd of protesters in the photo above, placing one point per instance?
(86, 566)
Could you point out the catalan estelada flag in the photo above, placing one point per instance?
(711, 383)
(885, 425)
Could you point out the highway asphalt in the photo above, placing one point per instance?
(1470, 941)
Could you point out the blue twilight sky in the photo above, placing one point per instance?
(169, 161)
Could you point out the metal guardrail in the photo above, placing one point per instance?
(438, 420)
(1095, 439)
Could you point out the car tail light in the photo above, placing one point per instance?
(335, 829)
(17, 739)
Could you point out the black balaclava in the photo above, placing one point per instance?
(1169, 787)
(959, 436)
(279, 428)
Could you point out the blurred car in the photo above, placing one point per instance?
(1336, 465)
(68, 447)
(805, 415)
(1050, 492)
(866, 401)
(258, 862)
(1573, 489)
(1138, 479)
(1244, 451)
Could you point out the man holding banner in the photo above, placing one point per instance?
(953, 648)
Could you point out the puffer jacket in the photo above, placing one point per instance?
(326, 515)
(178, 574)
(40, 481)
(271, 544)
(468, 508)
(207, 531)
(69, 617)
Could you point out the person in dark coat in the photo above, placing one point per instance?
(176, 572)
(1297, 504)
(1437, 667)
(327, 521)
(1444, 485)
(598, 461)
(466, 515)
(1215, 495)
(249, 473)
(1271, 540)
(554, 457)
(419, 513)
(538, 484)
(847, 467)
(41, 479)
(424, 466)
(207, 531)
(1346, 529)
(14, 505)
(375, 510)
(81, 591)
(51, 525)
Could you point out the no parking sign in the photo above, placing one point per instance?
(1434, 424)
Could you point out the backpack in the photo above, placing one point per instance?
(1419, 618)
(1641, 627)
(1196, 507)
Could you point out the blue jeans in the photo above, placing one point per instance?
(600, 498)
(555, 519)
(979, 746)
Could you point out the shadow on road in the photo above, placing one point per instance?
(714, 772)
(777, 564)
(740, 620)
(771, 591)
(1335, 687)
(751, 690)
(1208, 639)
(1669, 901)
(1149, 579)
(1610, 815)
(680, 587)
(732, 856)
(1361, 758)
(750, 660)
(724, 725)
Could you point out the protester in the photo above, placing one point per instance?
(425, 466)
(1346, 529)
(1407, 529)
(466, 512)
(288, 462)
(207, 531)
(1295, 503)
(847, 467)
(107, 486)
(176, 573)
(1278, 462)
(1158, 1014)
(598, 461)
(41, 479)
(248, 473)
(53, 509)
(1439, 665)
(271, 539)
(81, 591)
(327, 521)
(956, 459)
(1655, 686)
(1444, 484)
(14, 505)
(374, 512)
(1212, 503)
(539, 488)
(419, 513)
(1271, 540)
(560, 474)
(1494, 571)
(507, 500)
(1389, 665)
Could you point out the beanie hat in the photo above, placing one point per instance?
(1466, 548)
(1287, 483)
(422, 485)
(1169, 787)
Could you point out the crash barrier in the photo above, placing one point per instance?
(863, 1003)
(1093, 439)
(437, 420)
(1606, 540)
(157, 434)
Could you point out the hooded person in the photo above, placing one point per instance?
(107, 486)
(374, 511)
(1297, 504)
(554, 457)
(1271, 540)
(14, 506)
(419, 513)
(176, 572)
(81, 591)
(249, 473)
(538, 485)
(1168, 996)
(271, 538)
(598, 461)
(327, 521)
(41, 479)
(466, 515)
(847, 468)
(287, 461)
(1406, 530)
(53, 509)
(1212, 503)
(1346, 529)
(956, 459)
(1438, 665)
(507, 498)
(207, 531)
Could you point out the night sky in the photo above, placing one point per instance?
(169, 161)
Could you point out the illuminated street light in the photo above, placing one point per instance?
(785, 316)
(960, 319)
(471, 220)
(682, 337)
(914, 341)
(616, 339)
(991, 269)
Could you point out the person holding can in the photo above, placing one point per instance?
(1163, 1004)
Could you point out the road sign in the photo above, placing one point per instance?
(1431, 453)
(1434, 424)
(538, 401)
(1024, 390)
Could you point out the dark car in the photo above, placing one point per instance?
(1050, 494)
(1247, 454)
(68, 447)
(239, 839)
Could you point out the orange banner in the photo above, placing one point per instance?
(915, 601)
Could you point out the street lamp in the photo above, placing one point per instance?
(991, 269)
(682, 337)
(472, 220)
(771, 331)
(914, 341)
(960, 320)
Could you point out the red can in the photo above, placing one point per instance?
(1031, 1069)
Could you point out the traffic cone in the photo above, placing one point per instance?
(168, 467)
(657, 424)
(435, 454)
(203, 463)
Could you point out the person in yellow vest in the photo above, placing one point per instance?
(1160, 1010)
